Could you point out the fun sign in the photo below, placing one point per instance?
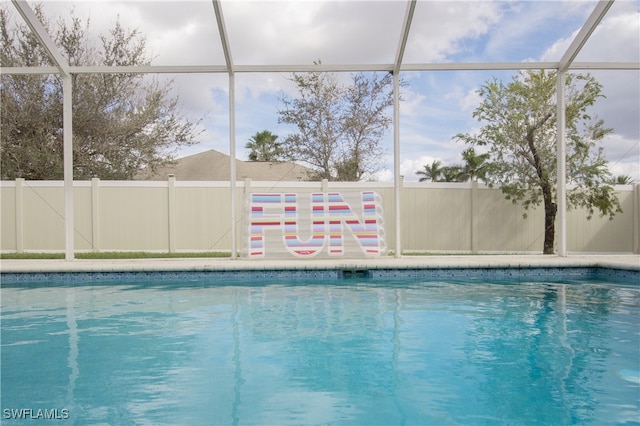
(306, 225)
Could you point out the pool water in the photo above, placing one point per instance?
(340, 352)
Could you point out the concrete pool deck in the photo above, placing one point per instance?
(613, 261)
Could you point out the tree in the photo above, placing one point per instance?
(122, 123)
(365, 122)
(452, 174)
(622, 180)
(264, 147)
(339, 127)
(432, 172)
(475, 165)
(520, 135)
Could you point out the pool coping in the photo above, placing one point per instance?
(629, 262)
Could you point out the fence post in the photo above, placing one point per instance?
(397, 211)
(19, 216)
(172, 213)
(95, 215)
(325, 185)
(474, 219)
(636, 218)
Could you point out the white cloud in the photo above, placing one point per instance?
(470, 100)
(623, 156)
(412, 102)
(527, 27)
(617, 38)
(301, 32)
(439, 28)
(408, 168)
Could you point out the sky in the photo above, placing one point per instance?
(436, 105)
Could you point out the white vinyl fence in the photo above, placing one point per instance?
(174, 216)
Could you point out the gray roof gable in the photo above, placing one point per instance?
(213, 165)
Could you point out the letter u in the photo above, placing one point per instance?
(315, 243)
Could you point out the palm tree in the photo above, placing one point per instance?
(453, 174)
(475, 166)
(432, 172)
(264, 147)
(622, 180)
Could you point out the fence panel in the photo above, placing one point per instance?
(601, 234)
(42, 219)
(436, 218)
(9, 214)
(133, 218)
(203, 219)
(501, 226)
(196, 216)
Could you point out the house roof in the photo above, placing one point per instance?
(215, 166)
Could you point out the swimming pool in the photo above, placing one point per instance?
(355, 351)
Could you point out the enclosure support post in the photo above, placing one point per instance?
(67, 100)
(171, 200)
(396, 163)
(232, 121)
(636, 218)
(232, 155)
(562, 167)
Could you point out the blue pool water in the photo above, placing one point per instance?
(342, 352)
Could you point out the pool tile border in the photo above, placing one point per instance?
(327, 274)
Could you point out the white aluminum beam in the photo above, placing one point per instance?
(62, 66)
(217, 7)
(570, 54)
(397, 179)
(605, 66)
(232, 168)
(314, 68)
(219, 69)
(67, 136)
(149, 69)
(583, 35)
(479, 66)
(28, 70)
(41, 34)
(561, 165)
(222, 29)
(404, 35)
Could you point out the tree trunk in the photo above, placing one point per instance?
(550, 209)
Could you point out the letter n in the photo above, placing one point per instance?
(366, 232)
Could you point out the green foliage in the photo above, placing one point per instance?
(339, 127)
(431, 172)
(264, 147)
(519, 134)
(475, 167)
(622, 180)
(122, 123)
